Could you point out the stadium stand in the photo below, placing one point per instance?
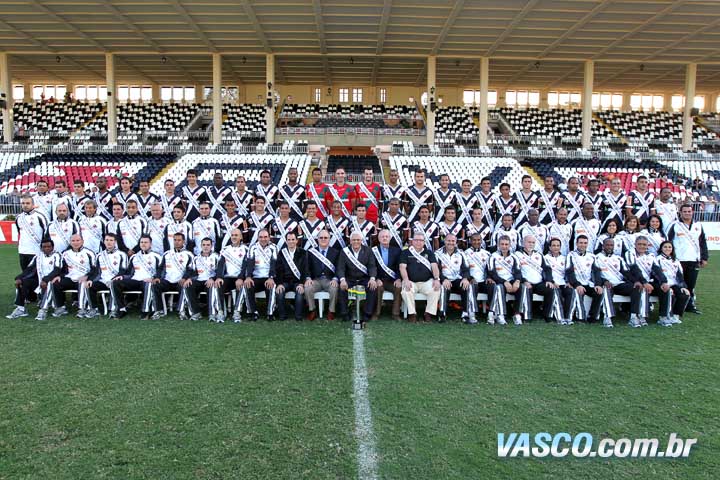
(153, 117)
(455, 126)
(353, 164)
(22, 171)
(232, 165)
(550, 123)
(59, 118)
(658, 129)
(246, 120)
(313, 110)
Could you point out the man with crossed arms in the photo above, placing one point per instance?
(420, 274)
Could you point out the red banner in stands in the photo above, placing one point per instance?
(8, 232)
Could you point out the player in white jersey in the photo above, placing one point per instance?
(535, 278)
(259, 274)
(31, 225)
(655, 233)
(131, 228)
(205, 279)
(690, 244)
(666, 208)
(143, 276)
(176, 271)
(641, 263)
(43, 199)
(504, 278)
(110, 264)
(505, 229)
(536, 229)
(206, 226)
(230, 272)
(580, 279)
(230, 220)
(561, 294)
(455, 278)
(672, 290)
(35, 277)
(561, 229)
(62, 228)
(611, 229)
(586, 224)
(178, 225)
(77, 264)
(612, 275)
(156, 225)
(92, 227)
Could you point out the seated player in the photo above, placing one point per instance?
(205, 279)
(612, 275)
(561, 293)
(477, 259)
(143, 276)
(455, 278)
(580, 279)
(641, 263)
(291, 273)
(230, 272)
(673, 292)
(535, 278)
(504, 271)
(42, 269)
(110, 264)
(259, 274)
(77, 263)
(176, 270)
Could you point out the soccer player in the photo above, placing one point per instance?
(205, 226)
(31, 225)
(267, 190)
(504, 271)
(259, 274)
(317, 192)
(369, 194)
(690, 244)
(110, 265)
(455, 278)
(92, 227)
(294, 194)
(341, 192)
(62, 228)
(36, 276)
(192, 194)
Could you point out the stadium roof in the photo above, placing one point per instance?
(534, 44)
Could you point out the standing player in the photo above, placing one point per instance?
(243, 198)
(92, 227)
(62, 228)
(218, 193)
(294, 194)
(549, 200)
(206, 226)
(192, 195)
(641, 202)
(169, 200)
(369, 194)
(573, 199)
(103, 198)
(267, 190)
(417, 196)
(396, 223)
(43, 199)
(615, 200)
(690, 244)
(131, 229)
(31, 225)
(145, 199)
(341, 192)
(526, 199)
(444, 197)
(316, 192)
(311, 226)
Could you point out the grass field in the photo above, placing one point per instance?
(180, 400)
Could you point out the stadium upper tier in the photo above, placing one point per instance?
(314, 110)
(153, 117)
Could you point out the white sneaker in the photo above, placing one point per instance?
(92, 313)
(675, 319)
(196, 317)
(183, 315)
(158, 315)
(568, 321)
(17, 313)
(561, 321)
(665, 322)
(491, 318)
(607, 323)
(59, 312)
(472, 320)
(81, 313)
(517, 319)
(634, 321)
(501, 320)
(42, 314)
(220, 319)
(237, 317)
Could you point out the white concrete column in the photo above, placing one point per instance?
(6, 88)
(430, 123)
(667, 102)
(270, 88)
(483, 111)
(626, 102)
(544, 105)
(111, 98)
(199, 93)
(587, 103)
(27, 90)
(155, 96)
(217, 98)
(690, 78)
(710, 100)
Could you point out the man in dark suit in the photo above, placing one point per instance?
(357, 268)
(322, 262)
(388, 260)
(291, 273)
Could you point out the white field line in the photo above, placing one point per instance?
(366, 455)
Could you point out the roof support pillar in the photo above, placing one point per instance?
(431, 103)
(217, 98)
(688, 121)
(587, 104)
(7, 90)
(111, 99)
(270, 98)
(483, 111)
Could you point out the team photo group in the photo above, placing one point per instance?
(213, 250)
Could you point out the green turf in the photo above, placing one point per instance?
(171, 399)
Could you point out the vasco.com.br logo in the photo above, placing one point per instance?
(584, 445)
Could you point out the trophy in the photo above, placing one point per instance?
(357, 293)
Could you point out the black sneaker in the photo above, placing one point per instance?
(121, 314)
(693, 310)
(255, 317)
